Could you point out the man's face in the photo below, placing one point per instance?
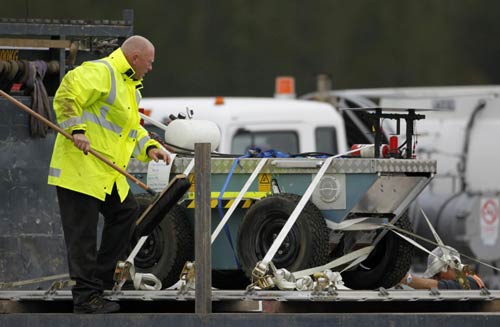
(142, 63)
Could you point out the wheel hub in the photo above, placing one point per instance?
(267, 234)
(150, 252)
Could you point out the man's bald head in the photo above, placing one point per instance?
(136, 43)
(140, 54)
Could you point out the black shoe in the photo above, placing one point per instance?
(97, 304)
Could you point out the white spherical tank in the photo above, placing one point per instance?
(184, 133)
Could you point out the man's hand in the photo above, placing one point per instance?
(81, 142)
(157, 154)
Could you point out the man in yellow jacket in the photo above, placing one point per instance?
(97, 103)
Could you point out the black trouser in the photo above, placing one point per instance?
(93, 269)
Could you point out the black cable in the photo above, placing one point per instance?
(311, 154)
(465, 152)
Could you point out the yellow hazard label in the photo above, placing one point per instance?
(226, 204)
(232, 195)
(264, 182)
(191, 180)
(228, 199)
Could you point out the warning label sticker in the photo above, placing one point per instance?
(264, 182)
(489, 220)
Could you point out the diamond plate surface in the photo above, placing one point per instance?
(137, 167)
(352, 166)
(408, 166)
(341, 165)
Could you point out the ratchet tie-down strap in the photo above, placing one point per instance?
(300, 280)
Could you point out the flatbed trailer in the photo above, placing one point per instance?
(342, 190)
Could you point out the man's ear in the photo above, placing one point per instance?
(135, 57)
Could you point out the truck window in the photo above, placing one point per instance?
(326, 140)
(285, 141)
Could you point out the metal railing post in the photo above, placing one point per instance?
(202, 230)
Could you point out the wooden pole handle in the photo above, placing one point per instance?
(67, 135)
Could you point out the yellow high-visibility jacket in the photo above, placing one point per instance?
(101, 98)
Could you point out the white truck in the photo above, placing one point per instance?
(288, 125)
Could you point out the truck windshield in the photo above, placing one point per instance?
(284, 141)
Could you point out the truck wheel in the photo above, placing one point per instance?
(169, 246)
(386, 265)
(305, 246)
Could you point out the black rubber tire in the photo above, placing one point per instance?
(305, 246)
(168, 247)
(387, 264)
(229, 279)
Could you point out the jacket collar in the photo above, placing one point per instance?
(120, 62)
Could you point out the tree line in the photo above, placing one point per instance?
(238, 47)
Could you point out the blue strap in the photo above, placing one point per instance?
(258, 153)
(273, 154)
(219, 204)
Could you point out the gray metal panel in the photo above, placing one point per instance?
(387, 193)
(357, 186)
(31, 240)
(252, 320)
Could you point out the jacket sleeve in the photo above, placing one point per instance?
(142, 144)
(454, 285)
(79, 88)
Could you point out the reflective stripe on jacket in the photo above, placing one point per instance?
(101, 98)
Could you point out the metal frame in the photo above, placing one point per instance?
(55, 27)
(61, 29)
(382, 294)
